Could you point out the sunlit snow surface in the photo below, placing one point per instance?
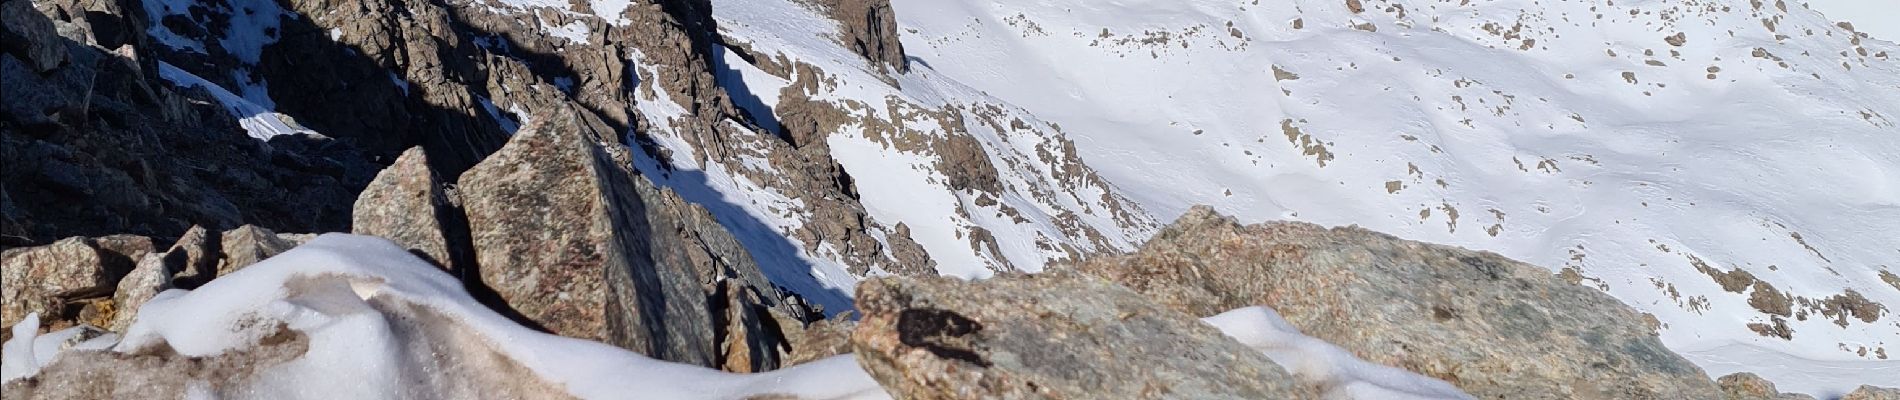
(1570, 134)
(337, 291)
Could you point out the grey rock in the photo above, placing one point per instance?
(249, 244)
(51, 280)
(146, 280)
(557, 232)
(1494, 327)
(1869, 392)
(193, 259)
(406, 204)
(1748, 386)
(1053, 335)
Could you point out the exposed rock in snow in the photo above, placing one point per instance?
(148, 278)
(249, 244)
(1494, 327)
(1866, 392)
(1050, 335)
(52, 280)
(1747, 386)
(358, 317)
(869, 28)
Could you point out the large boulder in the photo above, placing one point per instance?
(249, 244)
(63, 280)
(1868, 392)
(1747, 386)
(566, 237)
(1053, 335)
(555, 237)
(406, 204)
(1494, 327)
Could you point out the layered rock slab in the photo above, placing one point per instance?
(1494, 327)
(1052, 335)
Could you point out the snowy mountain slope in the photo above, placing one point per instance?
(1657, 150)
(979, 185)
(1735, 180)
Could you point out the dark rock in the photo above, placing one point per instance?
(1052, 335)
(28, 36)
(1494, 327)
(97, 145)
(869, 28)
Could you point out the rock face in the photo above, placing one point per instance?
(555, 236)
(1494, 327)
(95, 143)
(1053, 335)
(869, 28)
(1747, 386)
(406, 204)
(566, 236)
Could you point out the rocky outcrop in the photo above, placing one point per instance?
(406, 204)
(565, 235)
(102, 281)
(66, 281)
(1053, 335)
(555, 236)
(95, 143)
(1747, 386)
(1867, 392)
(869, 28)
(249, 244)
(1494, 327)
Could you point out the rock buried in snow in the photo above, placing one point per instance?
(1494, 327)
(1053, 335)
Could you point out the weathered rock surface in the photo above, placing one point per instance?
(555, 237)
(62, 280)
(567, 236)
(148, 277)
(1494, 327)
(869, 28)
(1867, 392)
(1747, 386)
(406, 204)
(95, 143)
(1052, 335)
(249, 244)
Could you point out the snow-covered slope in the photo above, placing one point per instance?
(1728, 168)
(1646, 148)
